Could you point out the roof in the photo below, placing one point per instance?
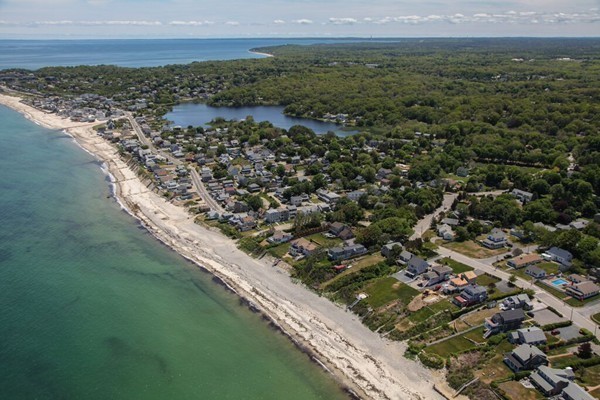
(535, 269)
(532, 335)
(441, 269)
(527, 351)
(475, 289)
(586, 287)
(417, 262)
(458, 282)
(576, 392)
(469, 275)
(562, 253)
(541, 382)
(512, 315)
(526, 259)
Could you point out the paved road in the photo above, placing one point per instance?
(197, 181)
(425, 222)
(579, 315)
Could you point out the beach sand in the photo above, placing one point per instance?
(361, 360)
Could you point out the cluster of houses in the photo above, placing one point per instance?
(84, 108)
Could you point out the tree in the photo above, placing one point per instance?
(584, 350)
(512, 280)
(255, 202)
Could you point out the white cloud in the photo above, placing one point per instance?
(303, 21)
(342, 21)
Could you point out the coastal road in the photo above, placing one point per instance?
(425, 222)
(197, 181)
(579, 315)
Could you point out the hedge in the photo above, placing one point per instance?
(431, 360)
(551, 327)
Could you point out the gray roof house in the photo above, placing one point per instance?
(416, 266)
(535, 271)
(551, 381)
(438, 274)
(575, 392)
(405, 257)
(559, 255)
(532, 335)
(522, 195)
(496, 239)
(525, 357)
(504, 321)
(387, 249)
(472, 294)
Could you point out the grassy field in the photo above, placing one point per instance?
(323, 241)
(514, 390)
(474, 319)
(357, 265)
(474, 250)
(596, 318)
(427, 311)
(554, 292)
(577, 303)
(388, 289)
(450, 346)
(280, 250)
(456, 266)
(485, 280)
(590, 376)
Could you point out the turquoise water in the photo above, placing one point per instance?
(93, 307)
(559, 282)
(199, 114)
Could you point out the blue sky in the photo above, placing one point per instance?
(296, 18)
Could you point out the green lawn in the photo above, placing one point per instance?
(549, 267)
(427, 311)
(280, 250)
(590, 376)
(485, 280)
(596, 318)
(456, 266)
(450, 346)
(323, 241)
(388, 289)
(576, 303)
(554, 292)
(563, 362)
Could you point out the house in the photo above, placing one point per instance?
(583, 290)
(469, 276)
(472, 294)
(276, 215)
(455, 285)
(405, 257)
(518, 301)
(495, 240)
(536, 272)
(450, 221)
(416, 266)
(505, 321)
(387, 249)
(438, 274)
(463, 172)
(327, 196)
(343, 253)
(532, 335)
(445, 232)
(576, 278)
(551, 381)
(522, 195)
(302, 247)
(246, 223)
(575, 392)
(280, 237)
(559, 255)
(346, 234)
(356, 195)
(524, 260)
(525, 357)
(336, 228)
(579, 224)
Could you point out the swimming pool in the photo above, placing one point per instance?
(559, 282)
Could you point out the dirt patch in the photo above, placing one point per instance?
(426, 298)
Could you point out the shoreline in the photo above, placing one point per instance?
(268, 55)
(363, 363)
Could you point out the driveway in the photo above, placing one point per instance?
(545, 317)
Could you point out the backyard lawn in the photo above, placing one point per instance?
(456, 266)
(596, 318)
(280, 250)
(577, 303)
(427, 311)
(590, 376)
(357, 265)
(514, 390)
(323, 241)
(474, 319)
(450, 346)
(554, 292)
(486, 280)
(474, 250)
(388, 289)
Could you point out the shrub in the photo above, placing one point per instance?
(431, 360)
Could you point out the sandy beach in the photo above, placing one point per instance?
(261, 54)
(361, 360)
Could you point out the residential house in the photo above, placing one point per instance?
(327, 196)
(302, 247)
(445, 232)
(532, 335)
(496, 239)
(575, 392)
(355, 195)
(583, 290)
(416, 266)
(518, 301)
(524, 260)
(280, 237)
(505, 321)
(559, 255)
(405, 257)
(450, 221)
(536, 272)
(525, 357)
(551, 381)
(576, 278)
(276, 215)
(522, 195)
(387, 249)
(579, 224)
(471, 295)
(437, 274)
(245, 223)
(344, 253)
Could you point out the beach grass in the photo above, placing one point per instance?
(389, 289)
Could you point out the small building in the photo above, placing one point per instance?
(437, 274)
(505, 321)
(524, 260)
(344, 253)
(471, 295)
(583, 290)
(387, 249)
(302, 247)
(445, 232)
(518, 301)
(405, 257)
(535, 272)
(576, 278)
(532, 335)
(525, 357)
(522, 195)
(495, 240)
(551, 381)
(416, 266)
(280, 237)
(276, 215)
(559, 255)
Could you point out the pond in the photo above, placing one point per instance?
(201, 114)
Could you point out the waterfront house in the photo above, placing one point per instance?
(302, 247)
(496, 239)
(416, 266)
(504, 321)
(535, 272)
(280, 237)
(276, 215)
(551, 381)
(583, 290)
(532, 335)
(575, 392)
(559, 255)
(525, 357)
(524, 260)
(471, 295)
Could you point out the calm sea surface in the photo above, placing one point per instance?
(34, 54)
(93, 307)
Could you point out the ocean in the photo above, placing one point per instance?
(34, 54)
(93, 307)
